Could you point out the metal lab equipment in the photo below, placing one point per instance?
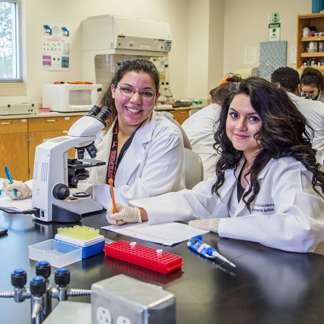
(40, 292)
(127, 300)
(108, 40)
(19, 109)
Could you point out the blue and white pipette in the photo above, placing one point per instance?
(196, 244)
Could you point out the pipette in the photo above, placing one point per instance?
(196, 244)
(111, 182)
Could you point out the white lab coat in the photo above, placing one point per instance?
(152, 165)
(314, 112)
(200, 129)
(287, 214)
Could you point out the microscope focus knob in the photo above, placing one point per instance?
(38, 286)
(43, 268)
(61, 191)
(18, 278)
(62, 277)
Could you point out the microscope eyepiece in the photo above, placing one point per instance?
(94, 111)
(104, 114)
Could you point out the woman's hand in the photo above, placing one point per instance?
(206, 224)
(23, 191)
(124, 215)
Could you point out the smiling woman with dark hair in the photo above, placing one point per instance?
(267, 188)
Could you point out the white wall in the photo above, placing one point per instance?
(209, 36)
(206, 41)
(72, 12)
(216, 43)
(198, 48)
(246, 24)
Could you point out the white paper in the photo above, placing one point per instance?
(250, 55)
(16, 205)
(293, 54)
(166, 234)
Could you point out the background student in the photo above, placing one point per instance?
(201, 126)
(312, 84)
(313, 110)
(143, 150)
(267, 188)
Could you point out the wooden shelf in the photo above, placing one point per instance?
(312, 39)
(320, 68)
(316, 54)
(316, 20)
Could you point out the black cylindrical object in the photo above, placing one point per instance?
(80, 153)
(43, 268)
(92, 150)
(18, 278)
(38, 286)
(62, 277)
(104, 113)
(93, 111)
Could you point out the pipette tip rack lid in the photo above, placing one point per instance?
(143, 256)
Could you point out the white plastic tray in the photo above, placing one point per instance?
(58, 254)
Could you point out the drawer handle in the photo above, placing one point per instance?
(8, 123)
(51, 120)
(183, 112)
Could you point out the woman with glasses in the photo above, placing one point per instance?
(143, 150)
(267, 188)
(312, 84)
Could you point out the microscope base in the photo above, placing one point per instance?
(63, 215)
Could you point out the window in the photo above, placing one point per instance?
(9, 42)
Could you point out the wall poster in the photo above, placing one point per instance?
(55, 47)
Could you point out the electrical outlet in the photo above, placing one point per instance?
(103, 316)
(123, 320)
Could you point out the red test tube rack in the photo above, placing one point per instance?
(143, 256)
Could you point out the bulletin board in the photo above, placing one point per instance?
(55, 46)
(273, 55)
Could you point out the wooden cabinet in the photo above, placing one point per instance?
(19, 138)
(180, 115)
(316, 20)
(14, 148)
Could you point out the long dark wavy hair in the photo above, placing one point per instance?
(133, 65)
(284, 132)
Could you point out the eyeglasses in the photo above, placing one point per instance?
(306, 95)
(129, 92)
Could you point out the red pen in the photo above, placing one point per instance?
(111, 182)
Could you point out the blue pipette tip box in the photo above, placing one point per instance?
(89, 250)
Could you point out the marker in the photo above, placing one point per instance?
(111, 182)
(10, 179)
